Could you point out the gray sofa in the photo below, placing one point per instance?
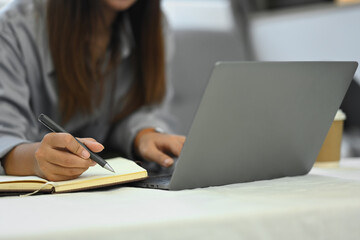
(205, 32)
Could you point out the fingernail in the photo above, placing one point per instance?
(168, 162)
(85, 154)
(101, 145)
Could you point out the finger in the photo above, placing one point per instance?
(170, 144)
(152, 153)
(54, 172)
(55, 177)
(67, 141)
(87, 139)
(64, 171)
(92, 144)
(68, 160)
(181, 139)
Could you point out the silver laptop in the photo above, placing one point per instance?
(257, 121)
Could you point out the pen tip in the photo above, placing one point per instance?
(108, 167)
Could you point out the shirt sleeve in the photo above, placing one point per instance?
(15, 107)
(159, 115)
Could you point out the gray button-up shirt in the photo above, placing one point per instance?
(28, 86)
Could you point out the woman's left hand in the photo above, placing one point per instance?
(158, 147)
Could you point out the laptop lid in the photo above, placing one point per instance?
(261, 120)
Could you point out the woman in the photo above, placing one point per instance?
(96, 66)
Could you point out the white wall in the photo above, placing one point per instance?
(199, 14)
(325, 32)
(3, 2)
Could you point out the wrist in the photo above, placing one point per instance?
(159, 130)
(138, 137)
(21, 160)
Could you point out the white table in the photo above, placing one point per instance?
(322, 205)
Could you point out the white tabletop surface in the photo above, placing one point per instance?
(324, 204)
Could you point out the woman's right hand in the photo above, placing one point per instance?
(60, 157)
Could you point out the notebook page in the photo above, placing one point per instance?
(121, 166)
(7, 178)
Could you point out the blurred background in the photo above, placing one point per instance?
(207, 31)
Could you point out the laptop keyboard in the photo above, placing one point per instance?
(161, 182)
(158, 177)
(158, 180)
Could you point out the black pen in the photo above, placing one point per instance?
(50, 124)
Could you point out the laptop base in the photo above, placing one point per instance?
(156, 182)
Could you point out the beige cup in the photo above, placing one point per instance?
(341, 2)
(330, 150)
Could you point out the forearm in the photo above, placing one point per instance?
(21, 160)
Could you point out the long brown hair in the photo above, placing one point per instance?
(70, 29)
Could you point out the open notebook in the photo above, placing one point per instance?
(95, 177)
